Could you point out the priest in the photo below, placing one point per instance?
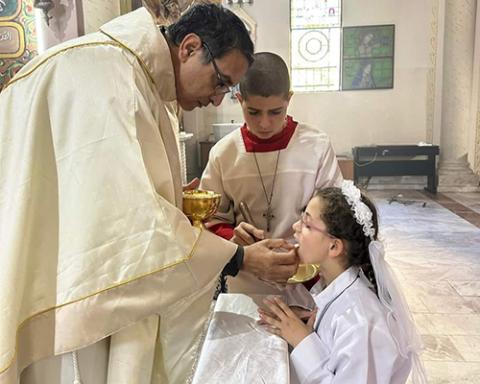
(102, 277)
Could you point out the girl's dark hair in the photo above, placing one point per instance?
(341, 223)
(217, 26)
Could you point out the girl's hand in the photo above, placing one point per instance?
(303, 314)
(282, 321)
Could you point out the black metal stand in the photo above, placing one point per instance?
(397, 160)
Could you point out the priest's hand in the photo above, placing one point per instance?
(282, 321)
(264, 260)
(246, 234)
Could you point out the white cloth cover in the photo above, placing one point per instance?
(353, 343)
(93, 239)
(239, 351)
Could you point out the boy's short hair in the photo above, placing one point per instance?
(267, 76)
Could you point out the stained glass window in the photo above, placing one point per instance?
(315, 44)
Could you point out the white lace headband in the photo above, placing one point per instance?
(363, 215)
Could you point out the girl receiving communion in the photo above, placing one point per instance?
(361, 331)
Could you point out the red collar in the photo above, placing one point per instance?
(274, 143)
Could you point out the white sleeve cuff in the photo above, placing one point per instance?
(309, 356)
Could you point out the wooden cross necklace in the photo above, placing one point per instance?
(268, 214)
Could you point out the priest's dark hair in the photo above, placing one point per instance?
(219, 28)
(267, 76)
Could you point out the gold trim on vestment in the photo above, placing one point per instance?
(186, 258)
(114, 42)
(44, 60)
(139, 58)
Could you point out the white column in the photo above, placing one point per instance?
(455, 173)
(183, 137)
(474, 138)
(477, 142)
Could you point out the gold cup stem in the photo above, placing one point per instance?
(198, 223)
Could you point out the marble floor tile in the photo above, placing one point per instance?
(468, 199)
(440, 348)
(460, 209)
(467, 346)
(424, 324)
(448, 324)
(476, 302)
(446, 372)
(435, 255)
(467, 288)
(448, 304)
(415, 303)
(438, 272)
(434, 288)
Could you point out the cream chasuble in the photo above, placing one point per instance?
(93, 240)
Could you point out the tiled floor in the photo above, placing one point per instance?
(470, 200)
(463, 204)
(436, 256)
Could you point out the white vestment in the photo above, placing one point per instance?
(352, 343)
(93, 240)
(306, 164)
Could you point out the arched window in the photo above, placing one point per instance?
(315, 44)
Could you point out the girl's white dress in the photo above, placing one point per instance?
(351, 342)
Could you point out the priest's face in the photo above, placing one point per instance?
(199, 83)
(265, 116)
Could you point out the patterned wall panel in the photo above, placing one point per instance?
(18, 42)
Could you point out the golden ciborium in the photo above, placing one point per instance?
(200, 205)
(304, 272)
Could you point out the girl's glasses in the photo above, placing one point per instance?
(306, 221)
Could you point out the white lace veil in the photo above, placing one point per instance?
(399, 318)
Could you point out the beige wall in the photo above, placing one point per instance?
(98, 12)
(351, 118)
(408, 113)
(63, 24)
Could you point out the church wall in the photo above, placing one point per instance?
(98, 12)
(63, 24)
(402, 115)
